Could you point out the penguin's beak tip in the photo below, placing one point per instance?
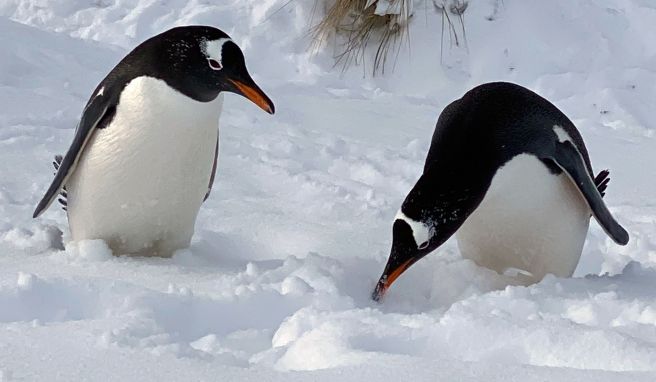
(255, 95)
(389, 276)
(379, 291)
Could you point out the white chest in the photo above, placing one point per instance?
(141, 180)
(530, 220)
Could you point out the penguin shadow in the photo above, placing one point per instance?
(212, 252)
(218, 250)
(595, 254)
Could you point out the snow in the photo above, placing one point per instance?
(276, 284)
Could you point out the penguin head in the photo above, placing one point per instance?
(411, 241)
(429, 216)
(200, 62)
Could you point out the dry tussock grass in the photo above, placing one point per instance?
(359, 25)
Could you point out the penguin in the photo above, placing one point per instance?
(144, 154)
(508, 173)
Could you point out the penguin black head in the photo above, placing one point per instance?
(433, 210)
(198, 61)
(405, 251)
(413, 239)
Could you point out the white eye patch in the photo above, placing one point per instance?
(213, 51)
(420, 231)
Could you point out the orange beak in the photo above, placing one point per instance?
(256, 95)
(386, 280)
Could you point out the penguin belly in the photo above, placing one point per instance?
(141, 180)
(531, 222)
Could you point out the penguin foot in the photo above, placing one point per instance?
(601, 181)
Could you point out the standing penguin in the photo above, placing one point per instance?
(508, 173)
(144, 153)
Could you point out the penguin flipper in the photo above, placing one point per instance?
(213, 173)
(98, 113)
(569, 159)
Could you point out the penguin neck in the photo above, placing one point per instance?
(443, 203)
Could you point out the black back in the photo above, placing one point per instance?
(499, 120)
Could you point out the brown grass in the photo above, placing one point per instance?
(360, 26)
(457, 10)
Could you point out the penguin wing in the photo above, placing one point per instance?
(98, 113)
(568, 158)
(213, 173)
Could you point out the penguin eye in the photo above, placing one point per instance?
(214, 64)
(423, 245)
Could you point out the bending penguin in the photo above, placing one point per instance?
(144, 154)
(508, 173)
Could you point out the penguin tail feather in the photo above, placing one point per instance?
(601, 181)
(62, 200)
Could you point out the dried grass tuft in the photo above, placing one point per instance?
(457, 10)
(357, 22)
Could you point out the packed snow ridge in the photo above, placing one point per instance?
(276, 284)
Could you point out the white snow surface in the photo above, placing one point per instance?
(276, 284)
